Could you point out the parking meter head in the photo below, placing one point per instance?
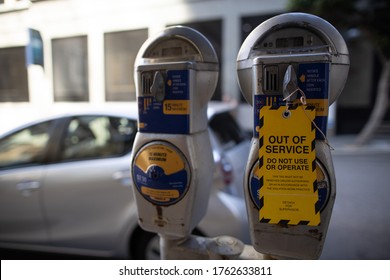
(293, 35)
(176, 73)
(290, 69)
(181, 44)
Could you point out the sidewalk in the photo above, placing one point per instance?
(360, 223)
(344, 144)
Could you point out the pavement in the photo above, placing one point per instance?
(360, 225)
(344, 144)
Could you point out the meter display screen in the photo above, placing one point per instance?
(289, 42)
(291, 39)
(174, 51)
(172, 48)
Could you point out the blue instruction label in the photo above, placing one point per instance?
(172, 114)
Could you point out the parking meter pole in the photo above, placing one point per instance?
(290, 69)
(200, 248)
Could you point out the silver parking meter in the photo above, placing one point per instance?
(290, 69)
(176, 73)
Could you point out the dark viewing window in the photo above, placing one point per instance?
(70, 69)
(212, 30)
(13, 75)
(247, 25)
(120, 50)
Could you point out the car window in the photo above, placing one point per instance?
(89, 137)
(226, 129)
(25, 147)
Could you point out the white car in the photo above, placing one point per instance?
(65, 185)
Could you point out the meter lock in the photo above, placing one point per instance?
(278, 79)
(154, 84)
(158, 86)
(290, 86)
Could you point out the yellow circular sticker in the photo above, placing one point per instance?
(161, 173)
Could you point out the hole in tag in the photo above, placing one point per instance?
(286, 114)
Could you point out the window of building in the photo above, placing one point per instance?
(13, 75)
(212, 30)
(70, 69)
(247, 26)
(120, 50)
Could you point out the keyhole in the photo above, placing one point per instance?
(154, 174)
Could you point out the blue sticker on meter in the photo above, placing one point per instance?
(171, 115)
(161, 174)
(256, 182)
(313, 80)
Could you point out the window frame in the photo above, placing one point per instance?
(17, 75)
(112, 95)
(212, 29)
(67, 93)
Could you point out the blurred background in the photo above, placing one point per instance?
(81, 53)
(66, 55)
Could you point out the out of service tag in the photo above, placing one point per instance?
(287, 166)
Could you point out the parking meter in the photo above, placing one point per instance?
(176, 74)
(290, 69)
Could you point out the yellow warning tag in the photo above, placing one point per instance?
(287, 165)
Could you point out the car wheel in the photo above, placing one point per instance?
(145, 245)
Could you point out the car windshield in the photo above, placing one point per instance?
(25, 147)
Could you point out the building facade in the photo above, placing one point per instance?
(60, 55)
